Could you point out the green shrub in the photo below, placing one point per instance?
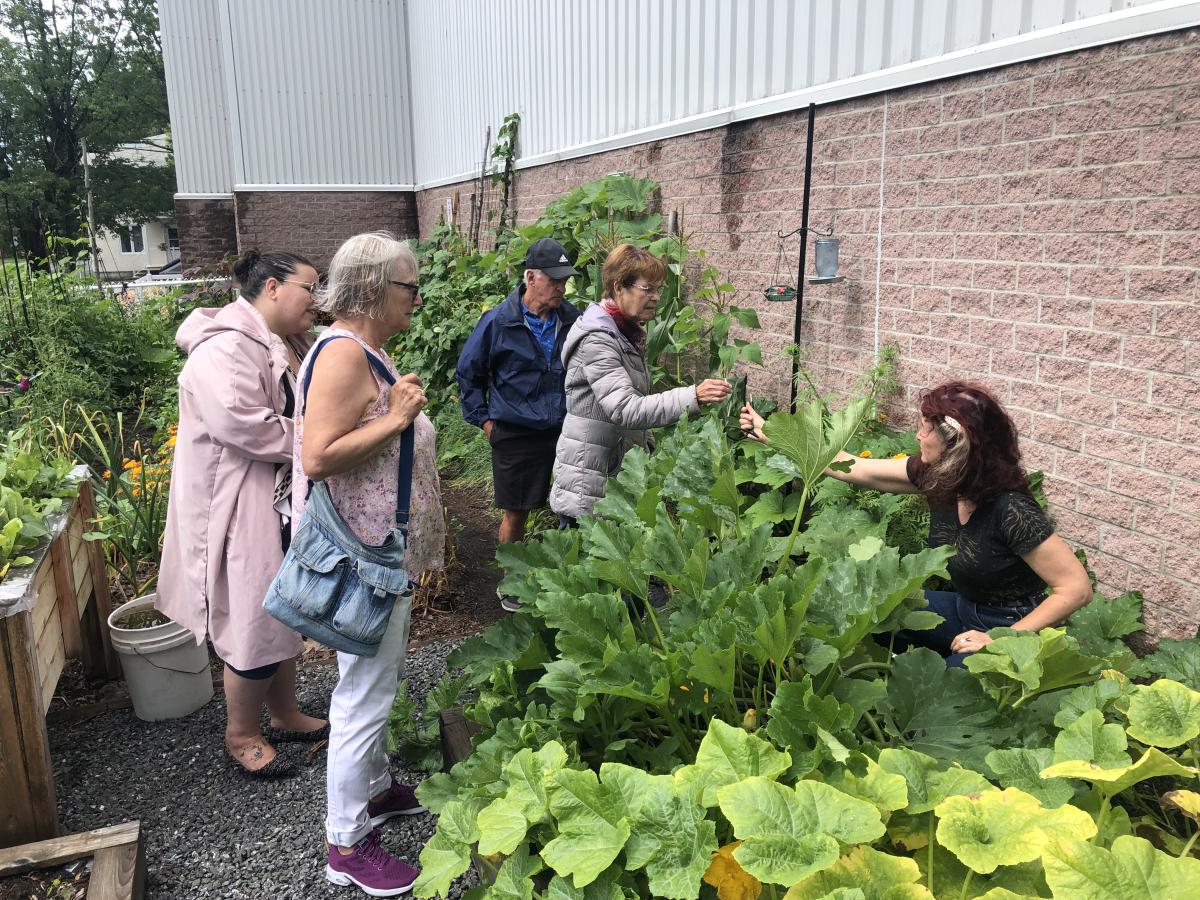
(83, 348)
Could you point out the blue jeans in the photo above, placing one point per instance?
(960, 615)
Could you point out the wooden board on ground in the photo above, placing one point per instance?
(456, 731)
(118, 863)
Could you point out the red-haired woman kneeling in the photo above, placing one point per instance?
(980, 503)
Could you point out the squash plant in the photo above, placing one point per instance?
(756, 737)
(32, 486)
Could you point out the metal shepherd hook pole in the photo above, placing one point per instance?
(808, 156)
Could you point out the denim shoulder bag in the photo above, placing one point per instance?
(332, 587)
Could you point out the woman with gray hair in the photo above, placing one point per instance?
(348, 435)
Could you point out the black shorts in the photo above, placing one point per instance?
(522, 461)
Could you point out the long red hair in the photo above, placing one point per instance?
(983, 459)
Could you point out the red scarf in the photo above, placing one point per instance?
(633, 330)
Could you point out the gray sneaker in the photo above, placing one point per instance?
(509, 603)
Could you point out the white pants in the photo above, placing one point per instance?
(357, 767)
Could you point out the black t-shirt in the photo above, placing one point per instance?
(987, 568)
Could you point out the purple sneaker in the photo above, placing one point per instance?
(400, 800)
(372, 868)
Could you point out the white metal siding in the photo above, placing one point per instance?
(192, 60)
(580, 71)
(322, 91)
(328, 93)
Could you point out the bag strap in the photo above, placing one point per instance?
(407, 437)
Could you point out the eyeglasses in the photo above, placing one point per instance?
(415, 288)
(310, 286)
(648, 290)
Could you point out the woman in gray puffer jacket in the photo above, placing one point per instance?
(609, 404)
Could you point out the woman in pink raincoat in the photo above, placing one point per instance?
(228, 518)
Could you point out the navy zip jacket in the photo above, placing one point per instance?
(503, 375)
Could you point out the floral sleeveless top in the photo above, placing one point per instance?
(365, 497)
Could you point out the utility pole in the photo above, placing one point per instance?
(91, 220)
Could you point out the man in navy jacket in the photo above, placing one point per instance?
(511, 381)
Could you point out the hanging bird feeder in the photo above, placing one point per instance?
(781, 291)
(826, 262)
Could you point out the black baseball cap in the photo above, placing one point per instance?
(550, 256)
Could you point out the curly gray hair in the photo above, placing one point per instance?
(359, 274)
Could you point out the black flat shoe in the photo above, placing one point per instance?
(277, 768)
(284, 736)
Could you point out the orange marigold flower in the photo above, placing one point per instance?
(866, 454)
(899, 456)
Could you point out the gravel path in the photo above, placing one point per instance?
(209, 833)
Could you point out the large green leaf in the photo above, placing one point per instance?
(787, 834)
(1176, 660)
(928, 783)
(448, 853)
(514, 881)
(1132, 870)
(1045, 660)
(1088, 738)
(605, 887)
(504, 822)
(1100, 625)
(633, 493)
(798, 713)
(771, 508)
(865, 779)
(835, 528)
(592, 821)
(1152, 764)
(942, 712)
(590, 627)
(1100, 694)
(615, 551)
(1164, 714)
(858, 592)
(876, 875)
(671, 837)
(678, 553)
(805, 439)
(952, 879)
(714, 665)
(1004, 828)
(729, 754)
(1022, 769)
(639, 674)
(511, 640)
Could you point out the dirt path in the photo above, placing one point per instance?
(468, 603)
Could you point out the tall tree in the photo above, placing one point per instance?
(72, 70)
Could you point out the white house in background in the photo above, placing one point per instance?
(146, 247)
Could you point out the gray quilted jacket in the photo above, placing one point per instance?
(609, 409)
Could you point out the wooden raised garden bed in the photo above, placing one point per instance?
(51, 611)
(118, 864)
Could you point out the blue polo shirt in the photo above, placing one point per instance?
(544, 330)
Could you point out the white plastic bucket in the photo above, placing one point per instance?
(166, 671)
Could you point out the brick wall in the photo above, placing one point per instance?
(1039, 235)
(207, 232)
(315, 224)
